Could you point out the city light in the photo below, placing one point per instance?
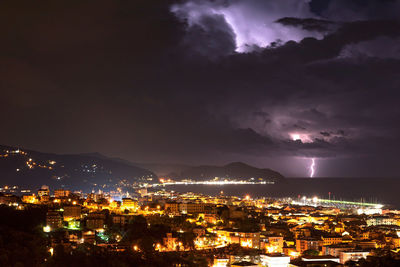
(212, 182)
(210, 230)
(294, 254)
(225, 133)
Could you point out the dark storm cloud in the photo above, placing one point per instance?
(381, 47)
(211, 38)
(135, 80)
(353, 10)
(324, 93)
(252, 22)
(308, 24)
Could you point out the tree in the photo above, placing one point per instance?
(311, 252)
(187, 240)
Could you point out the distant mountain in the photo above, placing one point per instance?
(235, 170)
(27, 168)
(30, 169)
(164, 169)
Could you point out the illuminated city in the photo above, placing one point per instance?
(222, 230)
(200, 133)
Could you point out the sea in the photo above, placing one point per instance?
(372, 190)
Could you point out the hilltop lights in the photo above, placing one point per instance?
(226, 182)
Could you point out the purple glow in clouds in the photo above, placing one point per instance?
(252, 21)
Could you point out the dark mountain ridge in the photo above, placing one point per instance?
(235, 170)
(27, 168)
(93, 171)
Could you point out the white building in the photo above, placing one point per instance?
(320, 258)
(352, 255)
(275, 260)
(381, 220)
(221, 262)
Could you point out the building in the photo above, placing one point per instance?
(244, 264)
(95, 221)
(172, 207)
(74, 225)
(120, 219)
(274, 244)
(8, 199)
(331, 240)
(235, 213)
(369, 211)
(221, 262)
(315, 264)
(170, 243)
(89, 237)
(29, 199)
(367, 244)
(381, 220)
(346, 256)
(275, 260)
(72, 213)
(61, 193)
(54, 220)
(44, 191)
(211, 218)
(94, 197)
(306, 244)
(44, 194)
(320, 259)
(44, 198)
(334, 250)
(395, 241)
(245, 239)
(199, 231)
(245, 257)
(143, 192)
(74, 238)
(129, 203)
(191, 208)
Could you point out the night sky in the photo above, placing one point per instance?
(273, 83)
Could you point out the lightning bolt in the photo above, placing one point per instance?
(312, 167)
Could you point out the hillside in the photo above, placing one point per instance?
(28, 168)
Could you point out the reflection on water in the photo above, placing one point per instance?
(376, 190)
